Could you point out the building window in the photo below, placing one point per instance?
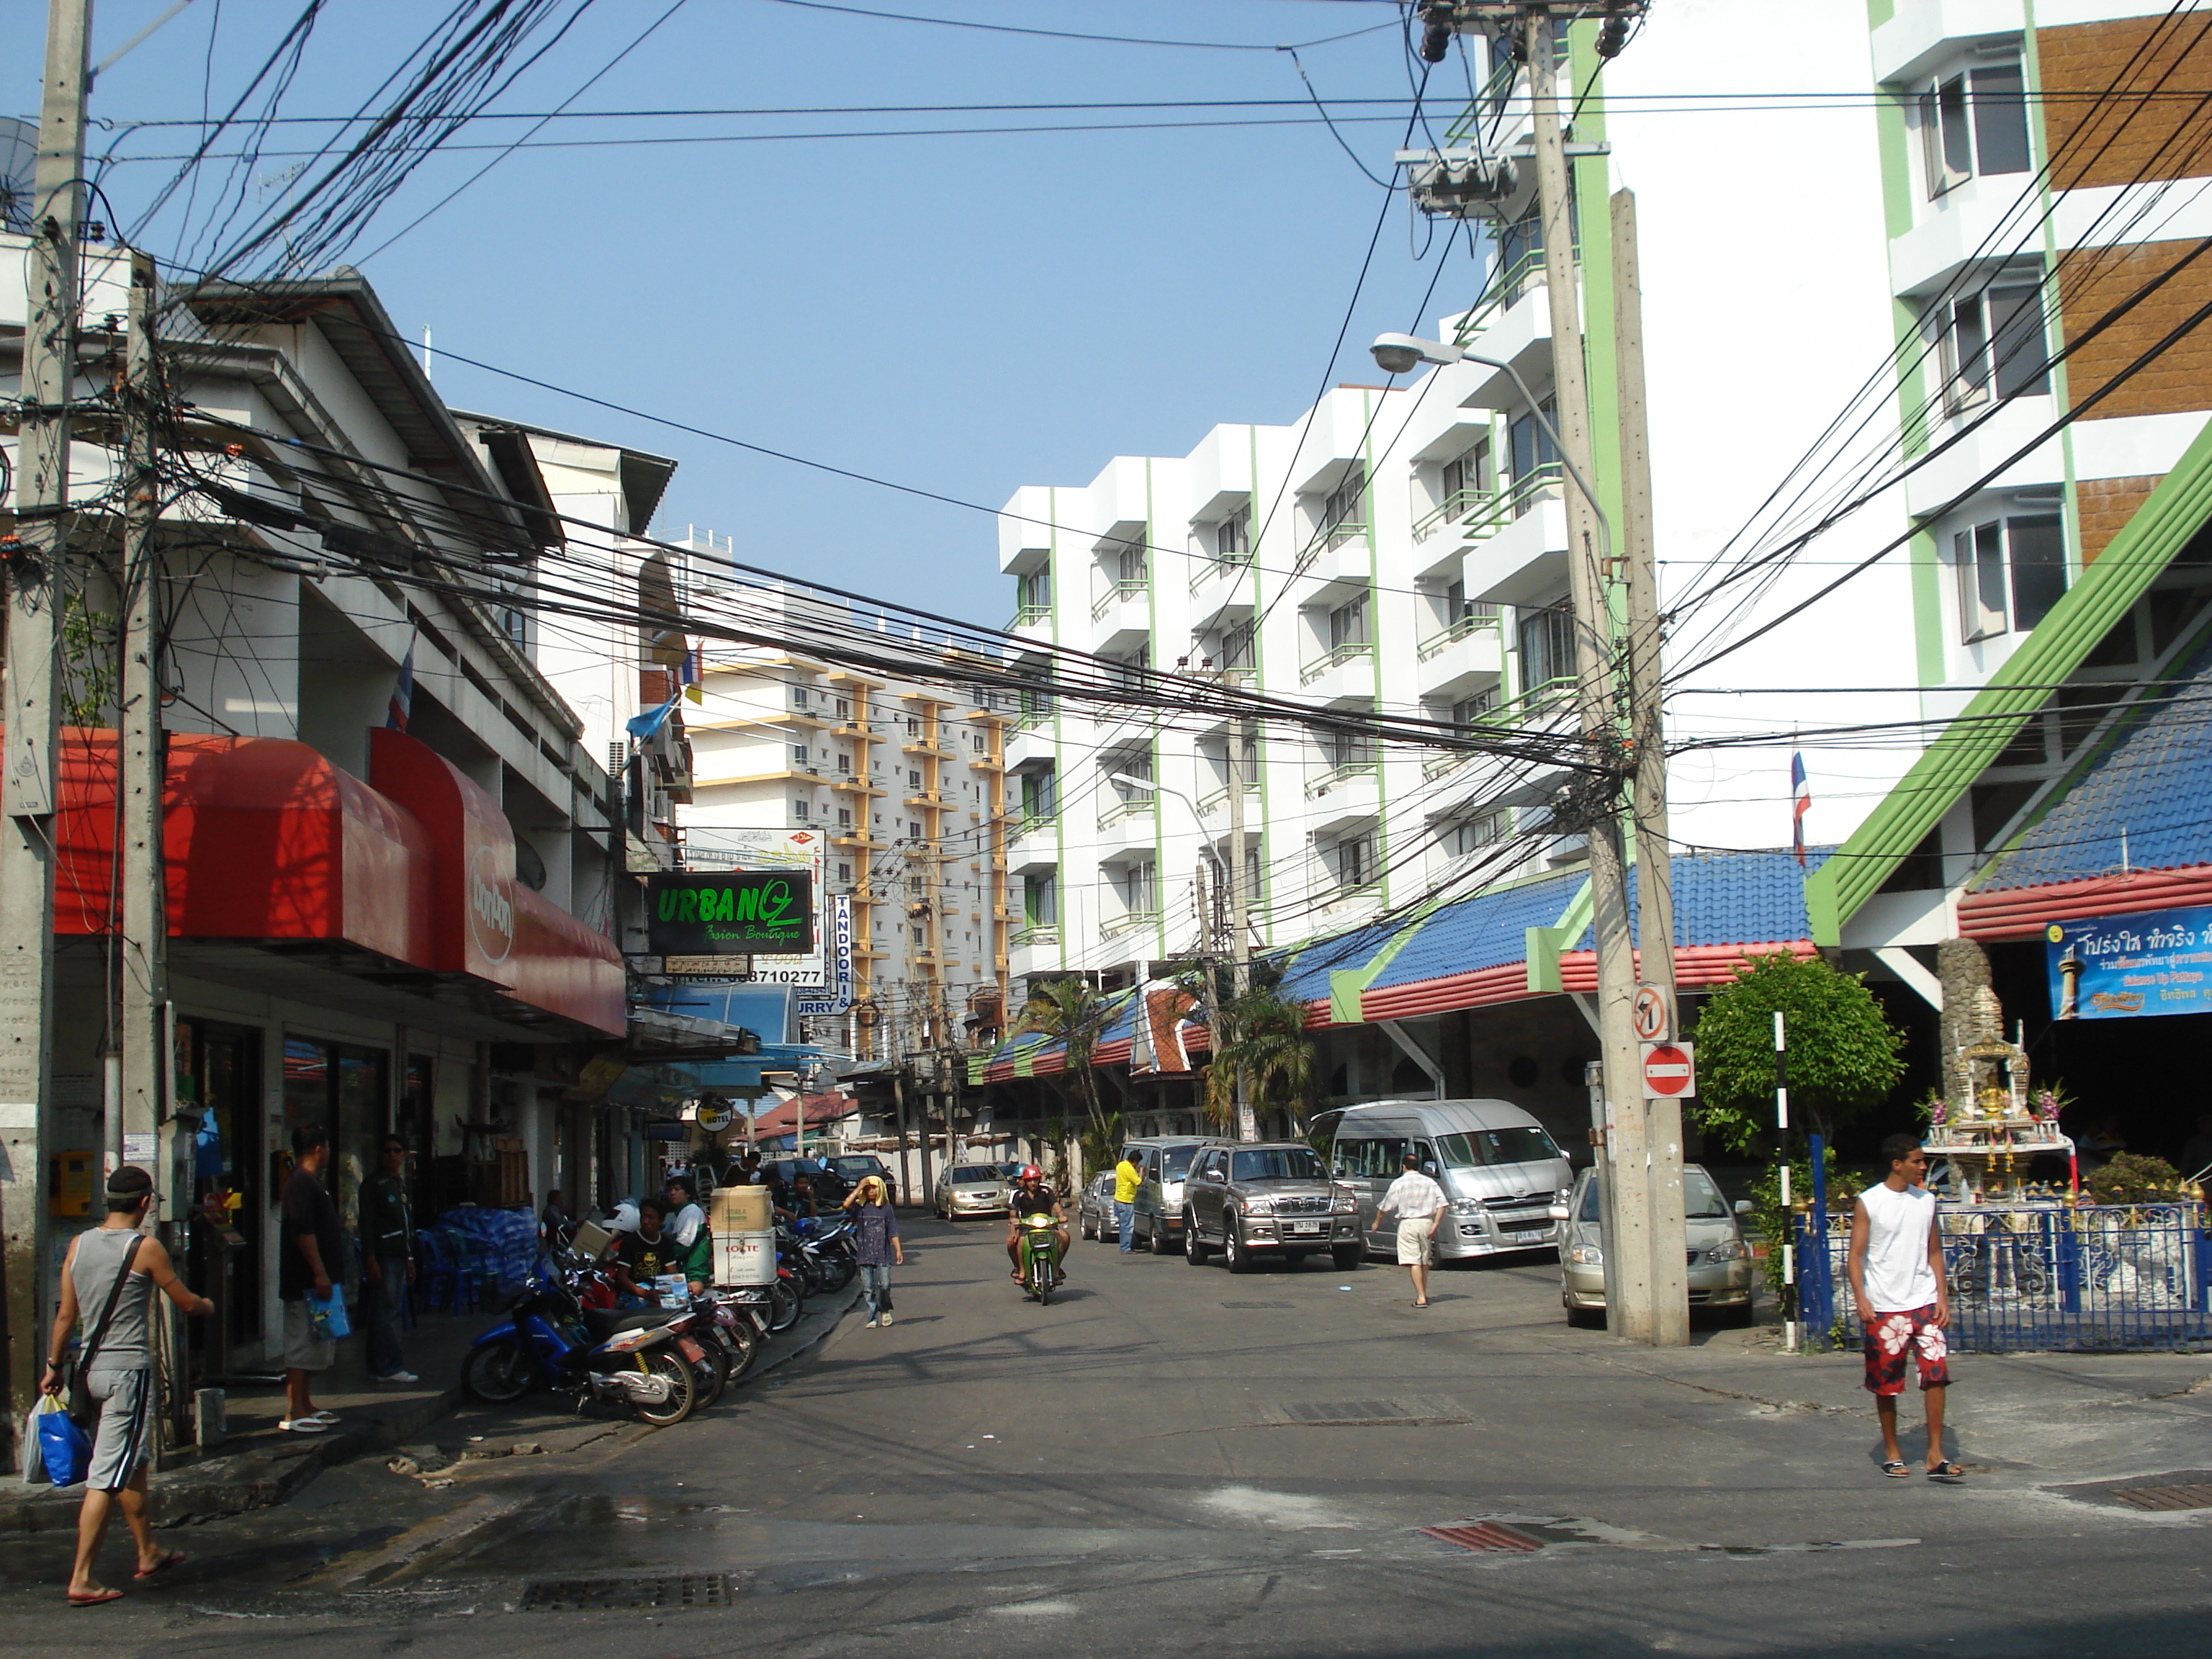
(1348, 623)
(913, 830)
(1547, 646)
(1033, 591)
(844, 708)
(1466, 835)
(1039, 798)
(977, 743)
(2010, 573)
(1467, 712)
(913, 728)
(1466, 480)
(844, 872)
(1530, 452)
(1992, 339)
(799, 754)
(1974, 123)
(1134, 883)
(845, 764)
(798, 696)
(1128, 563)
(913, 778)
(1348, 746)
(844, 818)
(1344, 513)
(1232, 536)
(1353, 859)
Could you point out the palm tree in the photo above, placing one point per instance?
(1072, 1011)
(1262, 1034)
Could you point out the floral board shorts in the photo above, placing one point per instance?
(1887, 1339)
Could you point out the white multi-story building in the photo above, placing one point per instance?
(904, 777)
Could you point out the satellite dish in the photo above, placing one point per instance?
(19, 154)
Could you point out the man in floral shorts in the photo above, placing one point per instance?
(1897, 1276)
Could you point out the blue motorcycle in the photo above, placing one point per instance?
(642, 1360)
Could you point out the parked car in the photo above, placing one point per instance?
(1273, 1199)
(851, 1168)
(1094, 1209)
(1165, 1161)
(1720, 1265)
(1498, 1167)
(782, 1172)
(966, 1189)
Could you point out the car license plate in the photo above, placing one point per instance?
(1305, 1226)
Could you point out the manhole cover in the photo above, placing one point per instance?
(1483, 1535)
(1255, 1304)
(1338, 1414)
(2165, 1497)
(671, 1592)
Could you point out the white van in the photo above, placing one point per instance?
(1500, 1169)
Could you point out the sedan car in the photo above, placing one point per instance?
(1720, 1265)
(1094, 1210)
(966, 1189)
(853, 1168)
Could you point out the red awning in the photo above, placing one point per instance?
(2022, 913)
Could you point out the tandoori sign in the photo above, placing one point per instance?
(2154, 961)
(725, 913)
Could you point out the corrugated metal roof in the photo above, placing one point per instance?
(1486, 931)
(2152, 784)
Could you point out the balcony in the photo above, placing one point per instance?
(926, 746)
(1457, 657)
(1524, 561)
(1206, 572)
(1507, 288)
(1453, 508)
(924, 798)
(1341, 776)
(849, 783)
(1337, 552)
(1128, 827)
(1030, 615)
(859, 839)
(1130, 921)
(1342, 671)
(1216, 800)
(1037, 933)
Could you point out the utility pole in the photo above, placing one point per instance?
(1240, 937)
(1633, 1312)
(143, 983)
(1655, 863)
(28, 779)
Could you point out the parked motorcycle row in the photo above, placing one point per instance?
(565, 1331)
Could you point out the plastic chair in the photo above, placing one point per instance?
(437, 1270)
(477, 1280)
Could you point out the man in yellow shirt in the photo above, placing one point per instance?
(1128, 1175)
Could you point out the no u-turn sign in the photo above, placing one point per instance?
(1670, 1072)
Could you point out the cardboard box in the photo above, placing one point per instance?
(740, 1210)
(744, 1259)
(590, 1240)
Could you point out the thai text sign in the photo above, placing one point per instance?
(2154, 962)
(719, 913)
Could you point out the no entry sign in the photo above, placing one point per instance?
(1670, 1072)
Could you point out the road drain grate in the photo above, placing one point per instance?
(1483, 1535)
(1255, 1304)
(2165, 1497)
(668, 1592)
(1341, 1413)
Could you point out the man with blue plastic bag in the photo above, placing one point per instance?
(108, 1280)
(308, 1255)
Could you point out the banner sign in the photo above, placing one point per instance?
(839, 997)
(711, 847)
(690, 913)
(2154, 962)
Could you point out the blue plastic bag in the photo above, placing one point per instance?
(329, 1314)
(64, 1448)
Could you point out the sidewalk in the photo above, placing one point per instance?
(259, 1465)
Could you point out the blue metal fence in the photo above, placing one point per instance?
(2041, 1277)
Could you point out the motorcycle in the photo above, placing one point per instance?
(1038, 1237)
(838, 1250)
(787, 1300)
(738, 1324)
(636, 1360)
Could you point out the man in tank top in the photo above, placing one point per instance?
(1897, 1276)
(121, 1375)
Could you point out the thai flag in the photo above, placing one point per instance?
(403, 695)
(1801, 803)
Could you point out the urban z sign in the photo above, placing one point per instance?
(730, 913)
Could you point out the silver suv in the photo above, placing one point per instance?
(1275, 1198)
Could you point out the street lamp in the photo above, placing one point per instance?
(1220, 868)
(1399, 354)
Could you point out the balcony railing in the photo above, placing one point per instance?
(1033, 717)
(1507, 288)
(1036, 823)
(1328, 539)
(1532, 705)
(1038, 933)
(1479, 617)
(1209, 801)
(1453, 507)
(1130, 921)
(1206, 568)
(1336, 657)
(1028, 615)
(1337, 776)
(1126, 588)
(1127, 809)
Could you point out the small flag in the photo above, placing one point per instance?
(1800, 793)
(642, 727)
(403, 695)
(695, 670)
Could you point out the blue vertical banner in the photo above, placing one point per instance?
(2154, 962)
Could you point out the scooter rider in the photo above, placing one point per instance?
(1033, 1196)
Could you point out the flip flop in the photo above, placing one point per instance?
(1896, 1470)
(173, 1558)
(100, 1600)
(1948, 1472)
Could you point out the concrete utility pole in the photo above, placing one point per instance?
(1654, 862)
(27, 780)
(1240, 937)
(1629, 1194)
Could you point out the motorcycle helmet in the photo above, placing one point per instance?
(1031, 1172)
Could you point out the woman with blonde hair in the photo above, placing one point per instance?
(876, 1226)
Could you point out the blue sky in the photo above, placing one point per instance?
(966, 314)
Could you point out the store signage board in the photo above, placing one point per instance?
(837, 997)
(708, 848)
(725, 913)
(2154, 962)
(1670, 1072)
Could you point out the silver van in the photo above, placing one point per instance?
(1500, 1171)
(1165, 1160)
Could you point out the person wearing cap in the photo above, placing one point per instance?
(108, 1280)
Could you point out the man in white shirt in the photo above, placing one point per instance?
(1419, 1203)
(1897, 1278)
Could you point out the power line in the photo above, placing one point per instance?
(1064, 34)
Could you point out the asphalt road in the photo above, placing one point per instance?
(1172, 1459)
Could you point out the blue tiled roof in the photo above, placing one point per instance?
(1486, 931)
(2152, 784)
(1306, 977)
(1739, 898)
